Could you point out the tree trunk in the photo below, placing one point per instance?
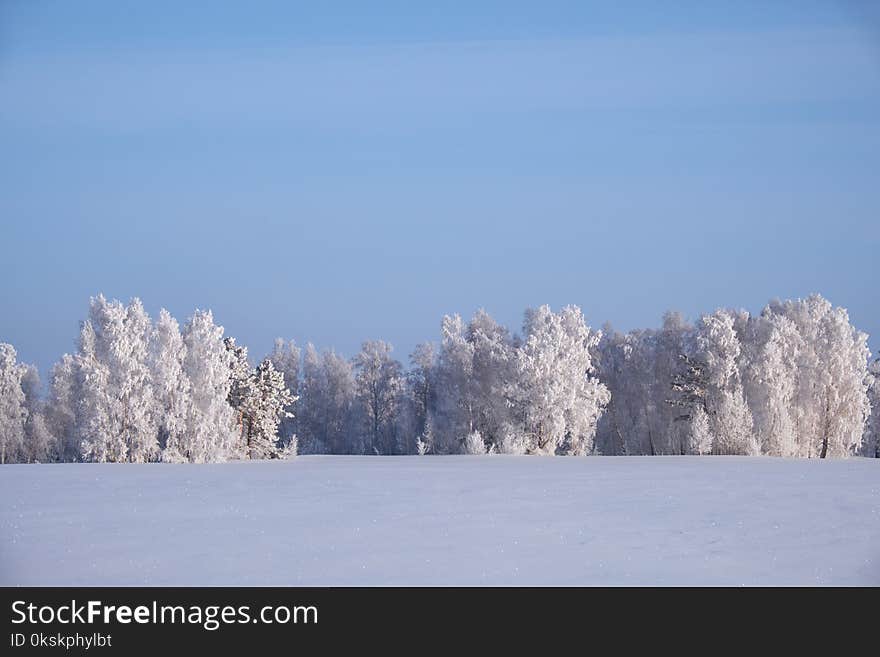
(825, 432)
(648, 425)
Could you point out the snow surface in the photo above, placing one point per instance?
(505, 520)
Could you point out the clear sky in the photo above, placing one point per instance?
(336, 171)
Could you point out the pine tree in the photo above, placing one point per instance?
(263, 410)
(690, 388)
(242, 388)
(286, 359)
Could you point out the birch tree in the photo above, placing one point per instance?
(13, 411)
(211, 424)
(558, 400)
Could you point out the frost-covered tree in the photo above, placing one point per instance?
(416, 399)
(795, 374)
(242, 387)
(792, 381)
(555, 397)
(13, 408)
(339, 405)
(61, 409)
(708, 392)
(24, 434)
(117, 419)
(421, 375)
(378, 385)
(730, 420)
(474, 374)
(701, 438)
(96, 426)
(844, 400)
(831, 398)
(211, 423)
(806, 316)
(39, 444)
(474, 444)
(638, 369)
(139, 419)
(172, 388)
(311, 433)
(452, 418)
(770, 380)
(286, 359)
(871, 440)
(664, 350)
(613, 359)
(255, 395)
(326, 405)
(493, 373)
(423, 443)
(633, 422)
(690, 386)
(263, 411)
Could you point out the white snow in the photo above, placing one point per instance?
(504, 520)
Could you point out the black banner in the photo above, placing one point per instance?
(152, 620)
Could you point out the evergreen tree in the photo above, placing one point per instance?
(264, 409)
(286, 359)
(242, 388)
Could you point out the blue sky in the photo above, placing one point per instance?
(339, 171)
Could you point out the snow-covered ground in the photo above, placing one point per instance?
(444, 520)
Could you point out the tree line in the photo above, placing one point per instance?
(794, 380)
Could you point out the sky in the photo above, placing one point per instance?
(340, 171)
